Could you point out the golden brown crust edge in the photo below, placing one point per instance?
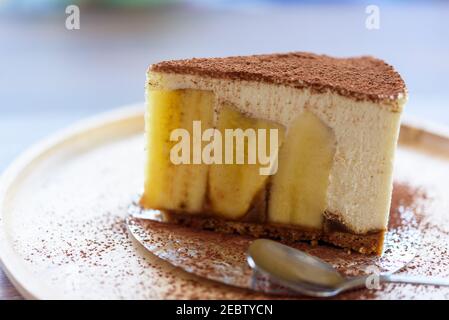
(371, 243)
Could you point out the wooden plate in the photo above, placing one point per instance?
(63, 203)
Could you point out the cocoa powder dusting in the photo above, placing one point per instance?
(361, 78)
(222, 257)
(71, 234)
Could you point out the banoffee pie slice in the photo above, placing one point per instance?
(293, 146)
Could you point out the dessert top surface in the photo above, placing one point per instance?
(362, 78)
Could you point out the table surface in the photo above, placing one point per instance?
(52, 77)
(7, 290)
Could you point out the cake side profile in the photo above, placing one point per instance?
(337, 123)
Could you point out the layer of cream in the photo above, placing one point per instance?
(360, 186)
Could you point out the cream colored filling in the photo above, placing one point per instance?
(360, 178)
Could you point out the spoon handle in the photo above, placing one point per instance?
(397, 278)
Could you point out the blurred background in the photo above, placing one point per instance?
(51, 76)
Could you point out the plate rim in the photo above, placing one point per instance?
(13, 269)
(16, 272)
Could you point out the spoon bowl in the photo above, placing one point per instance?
(294, 269)
(308, 275)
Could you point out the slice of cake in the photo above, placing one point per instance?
(325, 130)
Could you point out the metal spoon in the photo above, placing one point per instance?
(308, 275)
